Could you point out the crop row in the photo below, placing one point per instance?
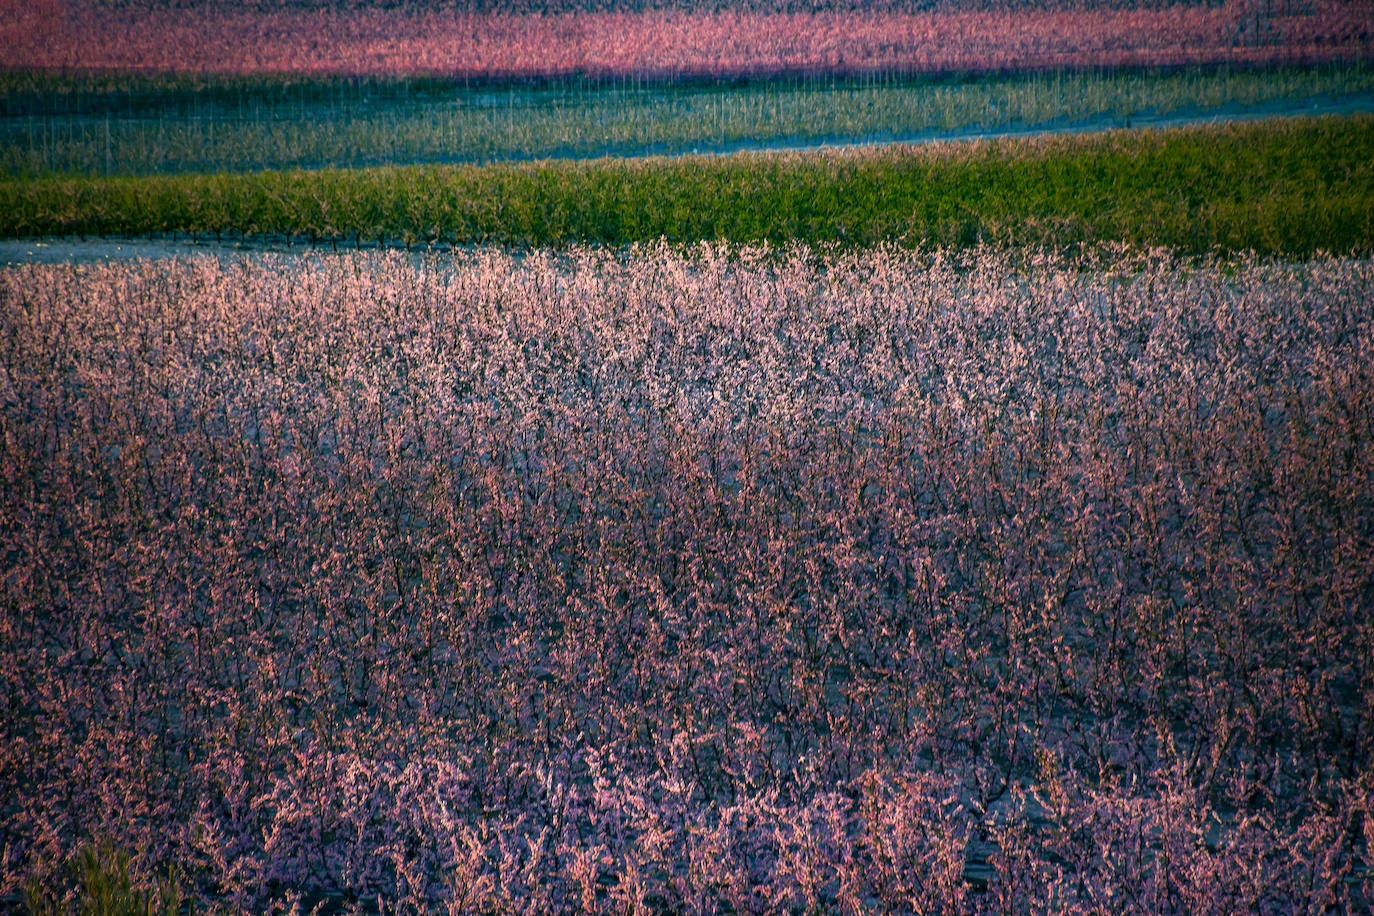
(693, 580)
(1284, 186)
(672, 43)
(146, 126)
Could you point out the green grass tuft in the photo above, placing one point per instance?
(104, 884)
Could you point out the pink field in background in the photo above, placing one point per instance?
(410, 40)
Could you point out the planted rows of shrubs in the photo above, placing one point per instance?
(109, 124)
(1288, 186)
(705, 579)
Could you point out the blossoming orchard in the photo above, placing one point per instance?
(695, 579)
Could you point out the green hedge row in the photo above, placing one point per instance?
(1279, 187)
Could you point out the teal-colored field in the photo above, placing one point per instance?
(139, 125)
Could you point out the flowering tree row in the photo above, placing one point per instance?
(699, 580)
(668, 43)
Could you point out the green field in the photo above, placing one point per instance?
(1284, 186)
(138, 125)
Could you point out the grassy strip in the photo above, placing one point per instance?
(148, 126)
(1288, 186)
